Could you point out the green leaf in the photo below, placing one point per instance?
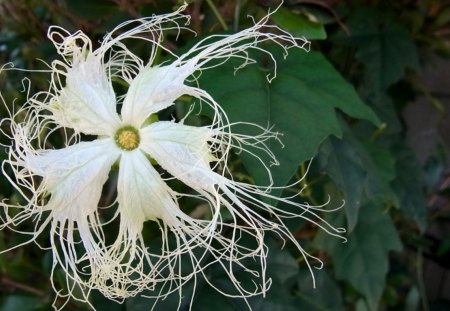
(383, 45)
(298, 25)
(363, 261)
(325, 297)
(382, 172)
(346, 167)
(209, 299)
(300, 103)
(413, 299)
(410, 186)
(362, 171)
(383, 161)
(281, 265)
(282, 269)
(361, 305)
(277, 299)
(171, 302)
(391, 130)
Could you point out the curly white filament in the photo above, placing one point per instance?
(62, 187)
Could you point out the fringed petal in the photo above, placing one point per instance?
(214, 50)
(62, 189)
(182, 150)
(86, 102)
(186, 242)
(186, 153)
(142, 195)
(152, 90)
(73, 176)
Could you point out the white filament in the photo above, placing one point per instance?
(62, 187)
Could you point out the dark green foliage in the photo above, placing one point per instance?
(363, 260)
(300, 103)
(383, 46)
(339, 104)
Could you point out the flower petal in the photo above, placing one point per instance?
(87, 103)
(141, 193)
(152, 90)
(74, 176)
(182, 150)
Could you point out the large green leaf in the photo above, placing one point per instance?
(383, 45)
(300, 103)
(292, 287)
(282, 268)
(363, 261)
(346, 166)
(277, 299)
(362, 171)
(299, 25)
(173, 301)
(325, 297)
(410, 186)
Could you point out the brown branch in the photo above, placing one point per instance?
(7, 282)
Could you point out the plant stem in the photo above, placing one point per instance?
(420, 279)
(217, 14)
(5, 281)
(237, 12)
(378, 132)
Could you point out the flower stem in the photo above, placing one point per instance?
(217, 14)
(237, 12)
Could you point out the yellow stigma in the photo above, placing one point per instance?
(127, 138)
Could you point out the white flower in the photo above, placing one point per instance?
(63, 186)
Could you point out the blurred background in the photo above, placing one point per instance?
(369, 103)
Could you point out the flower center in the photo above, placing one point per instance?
(127, 138)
